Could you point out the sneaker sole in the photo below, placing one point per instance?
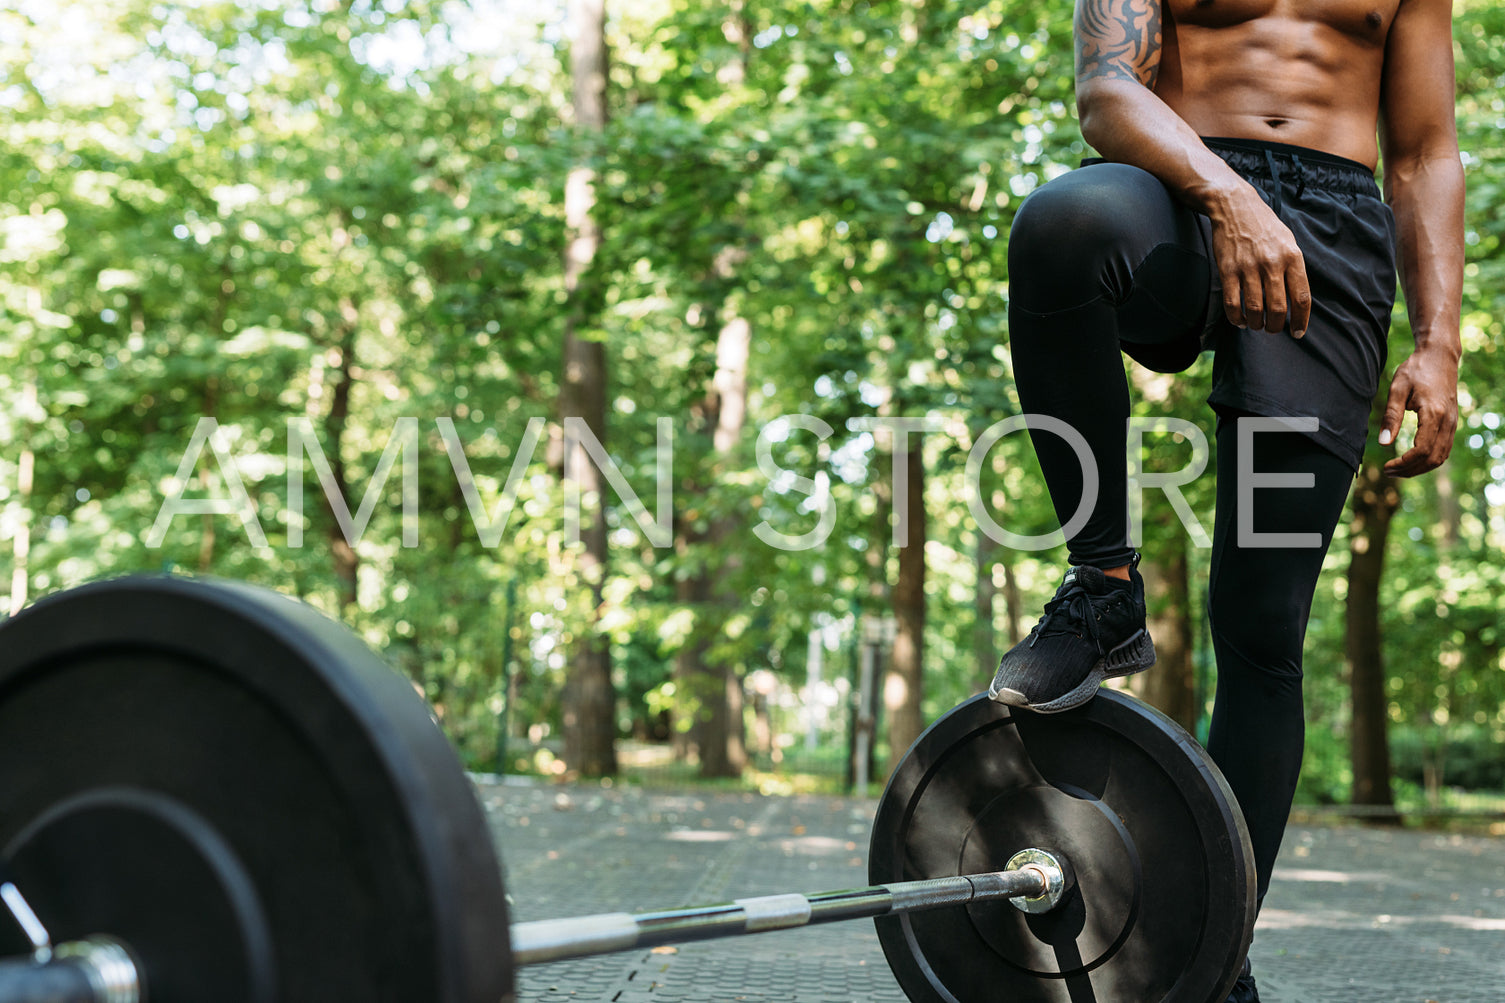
(1134, 655)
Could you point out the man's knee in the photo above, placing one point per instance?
(1079, 237)
(1257, 631)
(1077, 211)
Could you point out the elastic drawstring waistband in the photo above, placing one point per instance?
(1275, 177)
(1275, 199)
(1314, 170)
(1321, 172)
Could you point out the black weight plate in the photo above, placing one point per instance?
(241, 791)
(1164, 906)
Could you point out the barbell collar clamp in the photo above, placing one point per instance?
(1055, 875)
(92, 970)
(109, 967)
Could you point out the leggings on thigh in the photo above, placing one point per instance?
(1100, 260)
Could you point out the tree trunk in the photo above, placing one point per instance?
(206, 531)
(1449, 532)
(1376, 497)
(722, 739)
(589, 699)
(690, 671)
(724, 752)
(711, 692)
(1170, 685)
(1013, 603)
(211, 409)
(903, 688)
(346, 560)
(984, 645)
(20, 581)
(879, 598)
(1449, 511)
(986, 648)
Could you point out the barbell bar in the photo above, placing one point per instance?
(229, 794)
(1035, 881)
(100, 970)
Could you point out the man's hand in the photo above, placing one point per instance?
(1426, 383)
(1263, 271)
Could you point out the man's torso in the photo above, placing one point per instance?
(1302, 72)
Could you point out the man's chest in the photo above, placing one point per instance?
(1363, 19)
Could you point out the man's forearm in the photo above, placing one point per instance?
(1426, 195)
(1128, 124)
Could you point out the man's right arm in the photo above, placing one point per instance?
(1118, 48)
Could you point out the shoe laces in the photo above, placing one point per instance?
(1076, 605)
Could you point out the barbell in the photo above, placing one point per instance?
(209, 791)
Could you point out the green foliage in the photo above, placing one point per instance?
(1467, 757)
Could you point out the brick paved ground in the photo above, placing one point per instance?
(1356, 915)
(1371, 914)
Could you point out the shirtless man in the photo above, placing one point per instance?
(1235, 209)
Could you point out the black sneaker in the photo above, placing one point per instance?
(1092, 630)
(1244, 990)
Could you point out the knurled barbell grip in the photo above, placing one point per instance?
(1044, 878)
(88, 971)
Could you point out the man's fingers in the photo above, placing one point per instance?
(1417, 459)
(1410, 463)
(1434, 442)
(1299, 298)
(1423, 388)
(1233, 295)
(1434, 435)
(1254, 305)
(1395, 409)
(1275, 302)
(1421, 457)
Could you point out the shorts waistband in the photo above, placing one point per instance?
(1295, 164)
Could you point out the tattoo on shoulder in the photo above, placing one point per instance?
(1118, 38)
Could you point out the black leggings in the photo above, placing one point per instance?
(1103, 259)
(1258, 602)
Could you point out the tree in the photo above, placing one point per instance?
(1170, 685)
(710, 685)
(1376, 498)
(904, 690)
(589, 696)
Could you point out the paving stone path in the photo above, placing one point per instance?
(1355, 915)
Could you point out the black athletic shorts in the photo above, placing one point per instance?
(1346, 233)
